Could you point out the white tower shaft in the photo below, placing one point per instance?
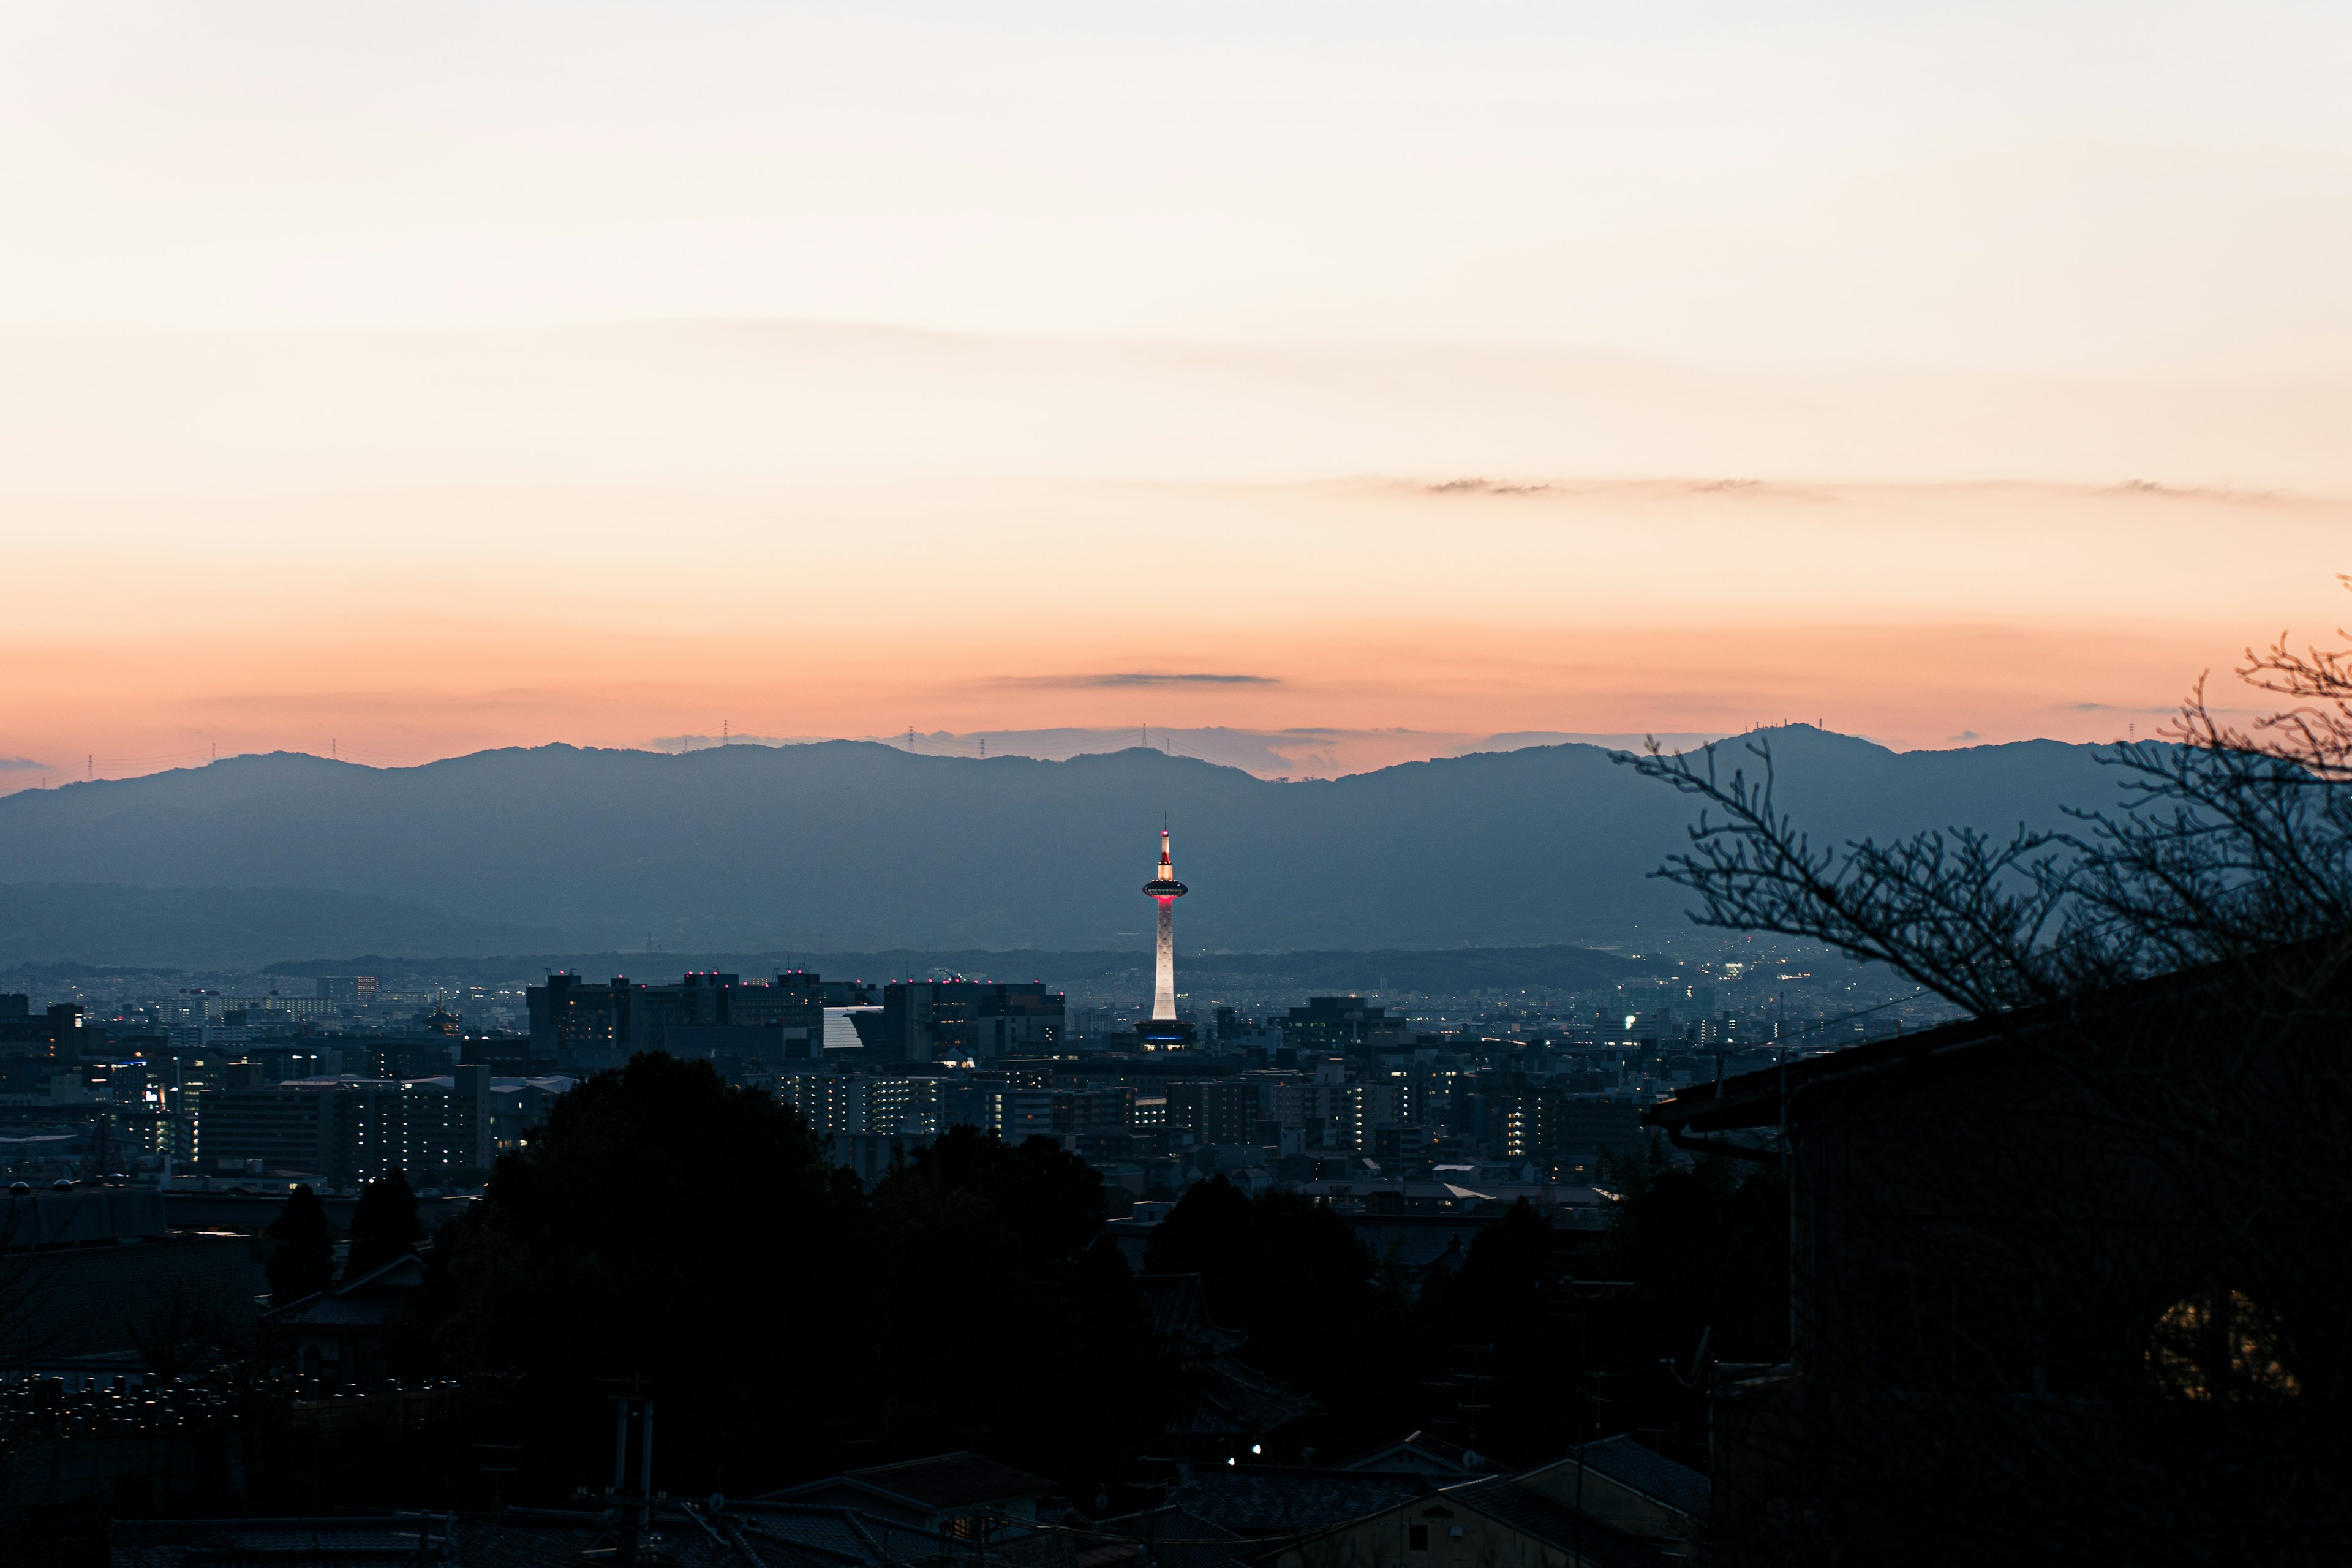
(1165, 889)
(1163, 984)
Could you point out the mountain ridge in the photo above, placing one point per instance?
(857, 845)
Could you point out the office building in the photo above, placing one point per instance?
(1336, 1025)
(706, 1014)
(1214, 1110)
(961, 1021)
(344, 1130)
(347, 990)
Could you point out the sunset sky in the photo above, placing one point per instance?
(1358, 381)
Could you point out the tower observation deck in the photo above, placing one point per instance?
(1164, 890)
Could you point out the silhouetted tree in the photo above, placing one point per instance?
(383, 1225)
(1703, 1249)
(2230, 842)
(304, 1261)
(1705, 1243)
(1290, 1273)
(1505, 1320)
(2087, 1317)
(665, 1226)
(1049, 1201)
(1011, 1319)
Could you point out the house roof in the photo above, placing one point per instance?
(1178, 1539)
(1652, 1474)
(1230, 1400)
(943, 1480)
(1754, 1099)
(742, 1536)
(1469, 1461)
(29, 1220)
(364, 1302)
(1277, 1500)
(823, 1534)
(1178, 1305)
(234, 1543)
(1531, 1513)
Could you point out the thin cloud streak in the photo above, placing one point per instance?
(1132, 677)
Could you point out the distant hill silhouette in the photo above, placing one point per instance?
(852, 846)
(232, 927)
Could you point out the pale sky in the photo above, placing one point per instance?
(2085, 188)
(465, 374)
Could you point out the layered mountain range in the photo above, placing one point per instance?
(859, 846)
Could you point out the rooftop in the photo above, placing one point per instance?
(1653, 1474)
(1555, 1524)
(950, 1481)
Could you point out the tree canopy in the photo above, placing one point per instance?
(302, 1263)
(383, 1225)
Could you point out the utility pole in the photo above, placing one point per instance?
(632, 1506)
(1580, 1297)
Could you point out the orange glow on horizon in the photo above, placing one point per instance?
(1384, 622)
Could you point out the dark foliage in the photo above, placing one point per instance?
(302, 1263)
(1510, 1323)
(1317, 1308)
(2075, 1296)
(1007, 1319)
(1702, 1248)
(668, 1227)
(1549, 1336)
(2229, 841)
(383, 1225)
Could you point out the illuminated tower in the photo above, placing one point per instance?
(1164, 890)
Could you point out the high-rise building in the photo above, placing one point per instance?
(1328, 1024)
(1163, 1030)
(705, 1014)
(347, 1130)
(1214, 1110)
(347, 990)
(960, 1020)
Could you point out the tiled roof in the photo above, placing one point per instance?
(1179, 1540)
(1628, 1463)
(364, 1302)
(1179, 1307)
(948, 1480)
(372, 1311)
(744, 1536)
(1229, 1399)
(1273, 1501)
(1531, 1513)
(234, 1543)
(1443, 1451)
(834, 1534)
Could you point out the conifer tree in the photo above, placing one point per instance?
(304, 1261)
(384, 1226)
